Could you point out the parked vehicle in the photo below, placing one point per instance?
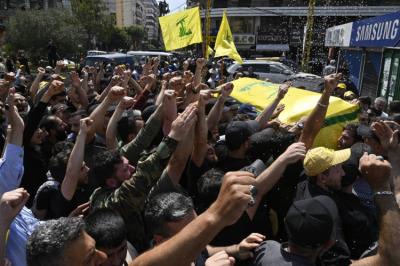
(95, 52)
(113, 59)
(140, 57)
(277, 73)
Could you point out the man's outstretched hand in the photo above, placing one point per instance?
(233, 198)
(375, 171)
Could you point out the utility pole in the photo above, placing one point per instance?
(308, 36)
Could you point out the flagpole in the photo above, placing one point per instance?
(207, 27)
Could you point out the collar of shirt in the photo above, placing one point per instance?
(294, 257)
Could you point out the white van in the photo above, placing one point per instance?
(140, 56)
(95, 52)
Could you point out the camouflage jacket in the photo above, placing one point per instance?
(142, 141)
(129, 199)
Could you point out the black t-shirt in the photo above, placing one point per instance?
(359, 226)
(280, 197)
(235, 233)
(192, 175)
(339, 253)
(50, 198)
(228, 164)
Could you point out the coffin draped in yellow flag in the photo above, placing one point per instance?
(181, 29)
(224, 45)
(298, 103)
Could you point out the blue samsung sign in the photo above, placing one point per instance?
(383, 31)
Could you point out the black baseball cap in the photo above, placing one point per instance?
(366, 132)
(310, 223)
(236, 133)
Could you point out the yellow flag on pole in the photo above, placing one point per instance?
(210, 51)
(224, 45)
(181, 29)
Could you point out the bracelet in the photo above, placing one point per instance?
(383, 193)
(322, 105)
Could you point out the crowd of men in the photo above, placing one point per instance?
(103, 166)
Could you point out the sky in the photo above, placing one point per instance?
(175, 5)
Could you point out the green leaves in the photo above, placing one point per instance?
(32, 30)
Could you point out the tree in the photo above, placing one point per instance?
(91, 15)
(32, 30)
(137, 35)
(117, 38)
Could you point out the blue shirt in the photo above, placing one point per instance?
(20, 230)
(11, 168)
(11, 172)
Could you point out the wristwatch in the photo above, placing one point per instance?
(166, 147)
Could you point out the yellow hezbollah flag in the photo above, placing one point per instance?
(298, 103)
(224, 45)
(210, 51)
(181, 29)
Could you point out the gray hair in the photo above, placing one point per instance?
(46, 245)
(380, 99)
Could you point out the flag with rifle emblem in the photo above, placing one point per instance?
(224, 45)
(181, 29)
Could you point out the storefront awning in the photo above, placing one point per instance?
(272, 47)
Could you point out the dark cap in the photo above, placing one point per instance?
(248, 109)
(310, 222)
(366, 132)
(236, 133)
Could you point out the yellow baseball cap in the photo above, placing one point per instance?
(320, 159)
(342, 86)
(349, 94)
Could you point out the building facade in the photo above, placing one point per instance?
(369, 49)
(152, 13)
(130, 12)
(274, 27)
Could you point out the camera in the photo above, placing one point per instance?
(256, 168)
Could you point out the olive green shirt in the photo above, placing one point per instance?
(129, 199)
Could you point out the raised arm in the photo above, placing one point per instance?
(267, 113)
(77, 84)
(98, 77)
(270, 176)
(154, 66)
(15, 120)
(160, 96)
(216, 111)
(115, 81)
(75, 161)
(377, 173)
(85, 80)
(200, 137)
(11, 203)
(35, 84)
(200, 63)
(12, 167)
(115, 94)
(134, 191)
(135, 86)
(316, 119)
(186, 245)
(59, 66)
(37, 112)
(390, 142)
(179, 158)
(169, 102)
(111, 133)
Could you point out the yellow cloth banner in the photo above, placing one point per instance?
(298, 103)
(210, 51)
(224, 45)
(181, 29)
